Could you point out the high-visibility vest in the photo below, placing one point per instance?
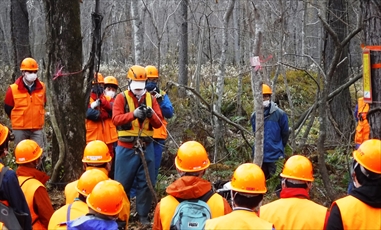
(135, 126)
(28, 111)
(29, 186)
(77, 208)
(294, 213)
(238, 219)
(357, 215)
(103, 130)
(363, 127)
(161, 133)
(169, 203)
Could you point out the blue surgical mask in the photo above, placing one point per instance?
(150, 86)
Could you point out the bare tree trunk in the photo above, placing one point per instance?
(19, 35)
(64, 42)
(183, 49)
(218, 141)
(237, 57)
(371, 11)
(138, 31)
(256, 84)
(198, 64)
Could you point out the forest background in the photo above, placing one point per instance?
(310, 52)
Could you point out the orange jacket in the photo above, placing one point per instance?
(238, 219)
(103, 129)
(357, 215)
(77, 209)
(28, 111)
(32, 184)
(187, 187)
(294, 213)
(363, 127)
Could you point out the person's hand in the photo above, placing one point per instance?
(139, 113)
(95, 104)
(149, 112)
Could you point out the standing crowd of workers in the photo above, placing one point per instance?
(125, 136)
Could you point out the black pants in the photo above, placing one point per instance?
(269, 169)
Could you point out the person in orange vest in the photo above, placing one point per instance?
(97, 156)
(361, 209)
(78, 208)
(136, 113)
(10, 191)
(32, 182)
(111, 136)
(248, 188)
(105, 202)
(160, 134)
(363, 127)
(294, 210)
(24, 104)
(98, 121)
(191, 163)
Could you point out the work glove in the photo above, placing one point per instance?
(149, 112)
(95, 104)
(140, 113)
(158, 96)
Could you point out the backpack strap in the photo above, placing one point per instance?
(204, 197)
(68, 212)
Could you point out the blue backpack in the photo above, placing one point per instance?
(192, 214)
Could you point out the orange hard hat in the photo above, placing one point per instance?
(249, 178)
(4, 131)
(29, 64)
(368, 155)
(192, 157)
(106, 198)
(137, 73)
(266, 89)
(111, 80)
(88, 180)
(96, 152)
(27, 151)
(298, 167)
(152, 71)
(100, 79)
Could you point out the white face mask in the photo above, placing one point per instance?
(266, 103)
(138, 93)
(31, 77)
(110, 94)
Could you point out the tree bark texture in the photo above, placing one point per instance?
(183, 49)
(19, 35)
(371, 11)
(67, 98)
(138, 31)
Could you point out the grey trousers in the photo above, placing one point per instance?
(22, 134)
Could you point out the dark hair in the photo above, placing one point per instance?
(247, 202)
(361, 176)
(96, 165)
(292, 185)
(111, 86)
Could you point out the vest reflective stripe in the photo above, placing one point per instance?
(169, 203)
(103, 130)
(363, 127)
(357, 215)
(29, 188)
(28, 111)
(294, 213)
(78, 208)
(134, 131)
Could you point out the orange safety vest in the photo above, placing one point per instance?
(238, 219)
(28, 111)
(363, 127)
(161, 133)
(103, 130)
(294, 213)
(357, 215)
(134, 131)
(29, 186)
(59, 217)
(169, 203)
